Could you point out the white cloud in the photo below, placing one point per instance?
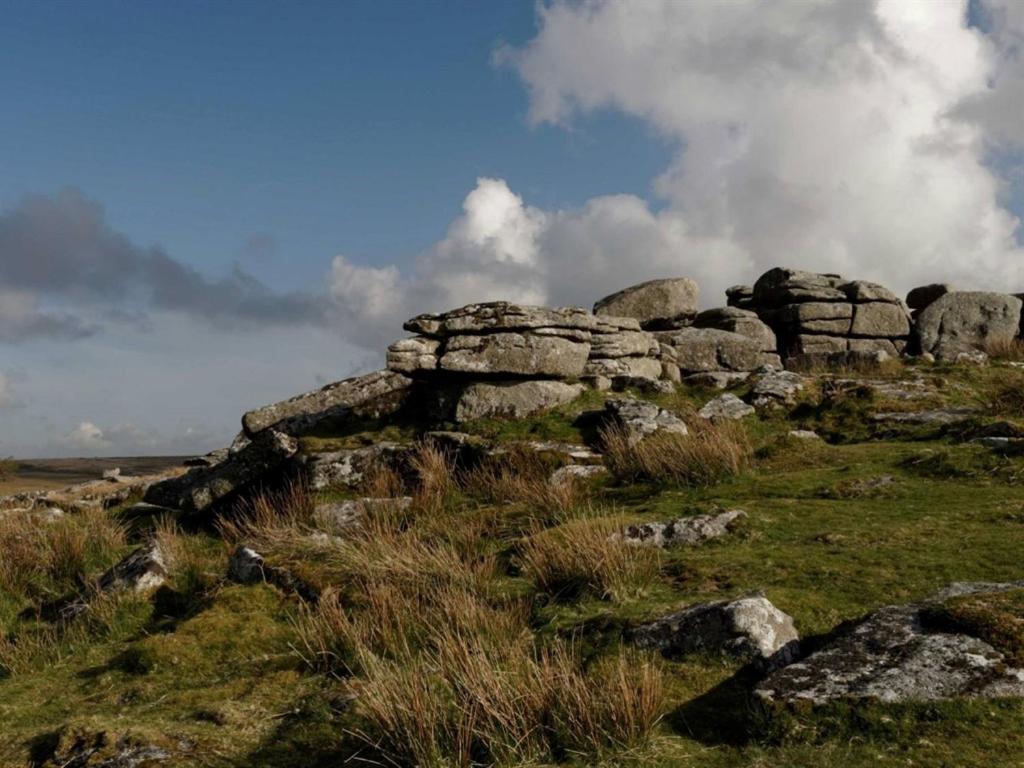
(87, 437)
(829, 136)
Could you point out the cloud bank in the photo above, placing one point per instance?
(847, 137)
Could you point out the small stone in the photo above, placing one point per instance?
(245, 566)
(641, 419)
(725, 407)
(574, 472)
(686, 531)
(804, 434)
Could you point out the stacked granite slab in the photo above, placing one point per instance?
(825, 316)
(622, 354)
(745, 322)
(496, 359)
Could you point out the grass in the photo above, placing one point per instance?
(996, 618)
(483, 623)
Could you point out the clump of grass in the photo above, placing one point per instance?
(523, 476)
(436, 485)
(709, 454)
(965, 462)
(1005, 348)
(587, 556)
(1004, 393)
(995, 617)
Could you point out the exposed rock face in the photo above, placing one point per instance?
(640, 418)
(139, 571)
(894, 656)
(498, 316)
(742, 321)
(708, 349)
(777, 388)
(373, 395)
(413, 355)
(686, 531)
(348, 467)
(623, 354)
(816, 315)
(201, 488)
(725, 407)
(962, 322)
(740, 296)
(657, 304)
(751, 628)
(515, 399)
(518, 354)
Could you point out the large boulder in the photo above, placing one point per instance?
(657, 304)
(969, 320)
(370, 396)
(348, 467)
(742, 321)
(201, 488)
(709, 349)
(516, 354)
(750, 628)
(900, 653)
(780, 286)
(513, 399)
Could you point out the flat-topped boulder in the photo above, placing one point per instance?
(376, 394)
(656, 304)
(513, 399)
(516, 354)
(709, 349)
(499, 316)
(967, 321)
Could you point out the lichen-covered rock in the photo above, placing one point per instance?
(201, 488)
(709, 349)
(928, 417)
(781, 286)
(513, 400)
(966, 321)
(347, 468)
(497, 316)
(140, 571)
(516, 354)
(245, 565)
(893, 655)
(373, 395)
(715, 379)
(640, 418)
(657, 304)
(777, 388)
(880, 320)
(725, 407)
(623, 344)
(625, 367)
(742, 321)
(413, 355)
(750, 628)
(686, 531)
(573, 472)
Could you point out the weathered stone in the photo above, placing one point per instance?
(349, 467)
(893, 655)
(923, 295)
(623, 344)
(725, 407)
(933, 417)
(245, 566)
(813, 344)
(873, 347)
(751, 628)
(962, 322)
(413, 355)
(777, 388)
(631, 367)
(804, 434)
(499, 316)
(640, 418)
(741, 296)
(202, 487)
(373, 395)
(575, 472)
(716, 379)
(656, 303)
(780, 286)
(340, 516)
(741, 321)
(612, 324)
(139, 571)
(513, 400)
(859, 291)
(815, 317)
(879, 320)
(709, 349)
(686, 531)
(517, 354)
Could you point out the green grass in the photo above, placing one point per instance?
(218, 672)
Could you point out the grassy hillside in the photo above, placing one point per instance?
(484, 623)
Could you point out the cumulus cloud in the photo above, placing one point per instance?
(87, 437)
(835, 137)
(61, 248)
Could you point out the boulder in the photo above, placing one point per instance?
(245, 566)
(513, 400)
(861, 291)
(339, 516)
(897, 654)
(741, 321)
(516, 354)
(623, 344)
(686, 531)
(140, 571)
(657, 304)
(716, 379)
(373, 395)
(924, 295)
(576, 472)
(780, 286)
(625, 367)
(499, 316)
(750, 628)
(725, 407)
(777, 388)
(347, 468)
(880, 320)
(709, 349)
(201, 488)
(966, 321)
(641, 419)
(741, 296)
(815, 317)
(413, 355)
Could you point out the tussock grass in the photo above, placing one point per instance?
(709, 454)
(1005, 348)
(523, 476)
(587, 556)
(1003, 393)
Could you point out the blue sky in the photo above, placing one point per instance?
(207, 206)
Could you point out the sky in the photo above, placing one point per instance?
(208, 206)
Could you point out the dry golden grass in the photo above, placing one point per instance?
(709, 454)
(1005, 348)
(1004, 393)
(523, 476)
(584, 556)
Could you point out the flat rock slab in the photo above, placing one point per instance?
(726, 407)
(750, 628)
(936, 417)
(513, 400)
(495, 316)
(373, 395)
(892, 656)
(516, 354)
(685, 532)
